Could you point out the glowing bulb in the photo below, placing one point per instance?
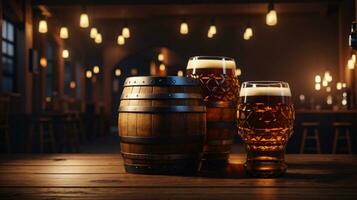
(65, 53)
(121, 40)
(271, 18)
(344, 94)
(93, 33)
(344, 102)
(162, 67)
(117, 72)
(344, 85)
(72, 84)
(96, 69)
(160, 57)
(329, 100)
(84, 20)
(212, 29)
(64, 32)
(246, 36)
(125, 32)
(209, 35)
(89, 74)
(350, 64)
(249, 31)
(327, 76)
(324, 83)
(353, 57)
(302, 97)
(328, 89)
(98, 38)
(43, 62)
(317, 79)
(317, 86)
(42, 26)
(238, 72)
(179, 73)
(339, 86)
(184, 28)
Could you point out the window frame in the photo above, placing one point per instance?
(7, 56)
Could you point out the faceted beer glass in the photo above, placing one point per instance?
(265, 123)
(220, 89)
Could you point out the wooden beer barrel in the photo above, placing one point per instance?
(162, 125)
(221, 128)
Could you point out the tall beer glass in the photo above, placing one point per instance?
(265, 122)
(220, 91)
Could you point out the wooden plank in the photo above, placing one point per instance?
(62, 169)
(176, 193)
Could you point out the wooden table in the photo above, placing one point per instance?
(101, 176)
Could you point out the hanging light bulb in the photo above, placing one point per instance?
(212, 29)
(96, 69)
(65, 53)
(248, 33)
(42, 26)
(84, 19)
(210, 35)
(98, 38)
(324, 83)
(339, 86)
(43, 62)
(184, 27)
(117, 72)
(93, 32)
(317, 79)
(64, 32)
(162, 67)
(89, 74)
(121, 40)
(125, 32)
(350, 64)
(353, 57)
(160, 57)
(317, 86)
(271, 17)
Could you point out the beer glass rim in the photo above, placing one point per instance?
(276, 84)
(211, 58)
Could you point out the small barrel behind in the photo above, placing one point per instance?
(162, 125)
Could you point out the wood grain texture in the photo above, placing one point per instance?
(102, 176)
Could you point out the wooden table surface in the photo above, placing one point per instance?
(102, 176)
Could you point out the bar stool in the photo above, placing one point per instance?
(345, 135)
(43, 126)
(310, 126)
(71, 134)
(4, 123)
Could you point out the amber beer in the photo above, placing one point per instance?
(220, 91)
(265, 122)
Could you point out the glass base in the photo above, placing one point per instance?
(265, 169)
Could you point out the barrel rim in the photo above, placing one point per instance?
(157, 96)
(162, 109)
(159, 81)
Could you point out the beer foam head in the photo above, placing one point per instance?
(204, 62)
(265, 91)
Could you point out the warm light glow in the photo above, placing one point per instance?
(302, 97)
(238, 72)
(42, 26)
(65, 53)
(72, 84)
(134, 71)
(344, 102)
(93, 32)
(212, 29)
(48, 99)
(84, 20)
(184, 28)
(64, 32)
(43, 62)
(353, 57)
(89, 74)
(271, 18)
(96, 69)
(248, 33)
(344, 94)
(179, 73)
(317, 79)
(324, 83)
(98, 38)
(125, 32)
(328, 89)
(329, 100)
(210, 35)
(327, 76)
(162, 67)
(117, 72)
(121, 40)
(317, 86)
(160, 57)
(350, 64)
(344, 85)
(339, 86)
